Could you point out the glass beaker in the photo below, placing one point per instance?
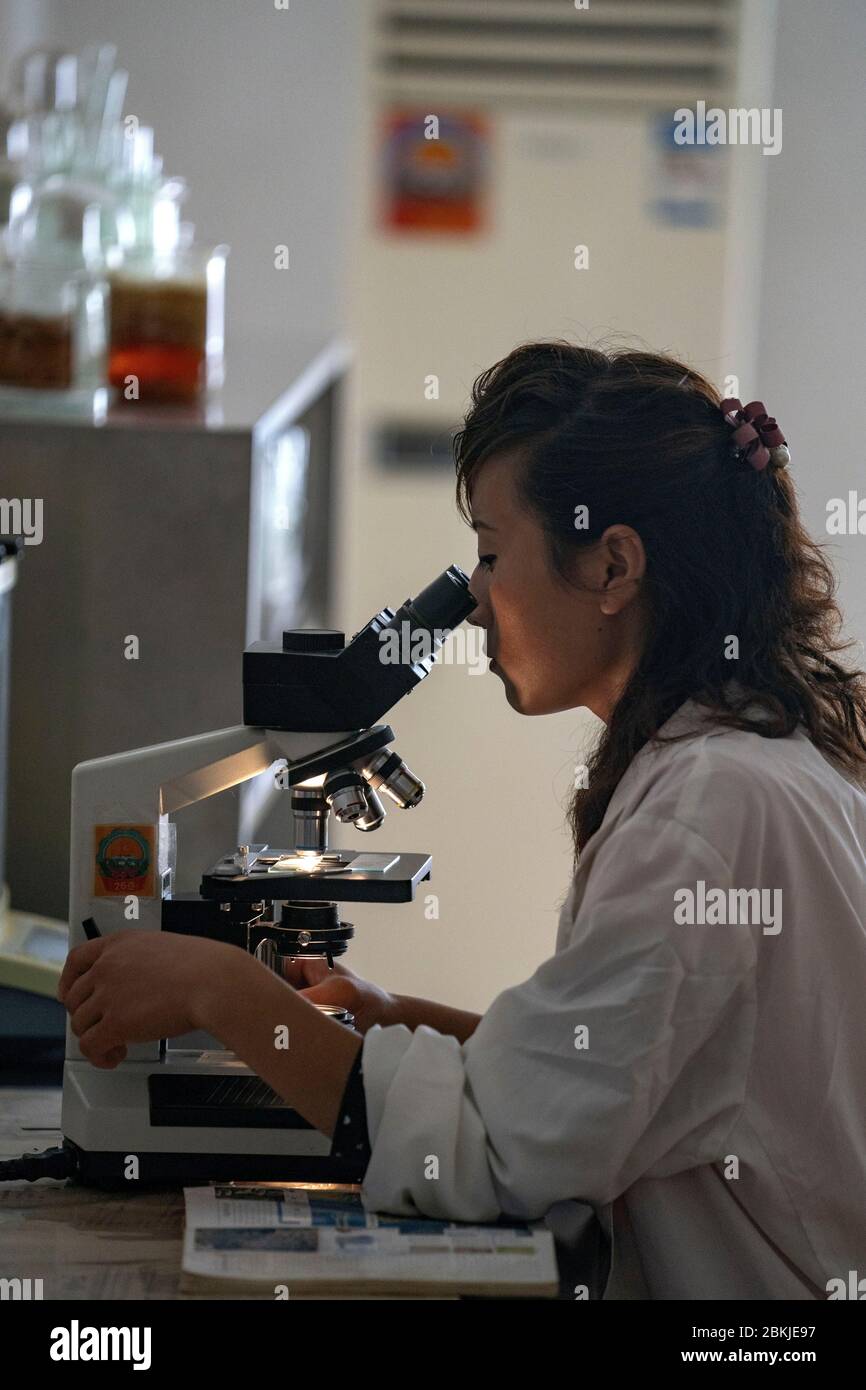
(166, 325)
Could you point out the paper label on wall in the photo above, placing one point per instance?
(687, 182)
(435, 171)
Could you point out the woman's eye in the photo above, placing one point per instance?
(486, 561)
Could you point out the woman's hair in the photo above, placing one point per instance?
(637, 438)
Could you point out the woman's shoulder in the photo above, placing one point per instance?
(722, 782)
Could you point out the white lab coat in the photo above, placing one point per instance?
(716, 1117)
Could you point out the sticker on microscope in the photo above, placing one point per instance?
(123, 861)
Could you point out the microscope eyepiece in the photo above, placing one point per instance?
(444, 603)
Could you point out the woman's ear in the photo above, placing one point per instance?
(623, 564)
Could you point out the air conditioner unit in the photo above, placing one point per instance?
(518, 179)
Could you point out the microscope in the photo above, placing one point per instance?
(175, 1109)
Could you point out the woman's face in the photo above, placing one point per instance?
(554, 646)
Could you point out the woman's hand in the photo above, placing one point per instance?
(369, 1004)
(137, 986)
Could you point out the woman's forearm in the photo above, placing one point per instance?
(305, 1056)
(457, 1022)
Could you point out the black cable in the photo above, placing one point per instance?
(51, 1163)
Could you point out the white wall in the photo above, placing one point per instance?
(256, 108)
(813, 303)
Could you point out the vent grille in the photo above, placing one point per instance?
(546, 52)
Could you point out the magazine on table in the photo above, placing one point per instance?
(288, 1239)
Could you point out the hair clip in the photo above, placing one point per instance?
(756, 435)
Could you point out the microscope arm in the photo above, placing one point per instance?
(140, 789)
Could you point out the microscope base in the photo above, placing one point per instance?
(192, 1118)
(106, 1170)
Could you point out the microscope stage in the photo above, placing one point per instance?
(394, 884)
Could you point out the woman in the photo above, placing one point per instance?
(692, 1059)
